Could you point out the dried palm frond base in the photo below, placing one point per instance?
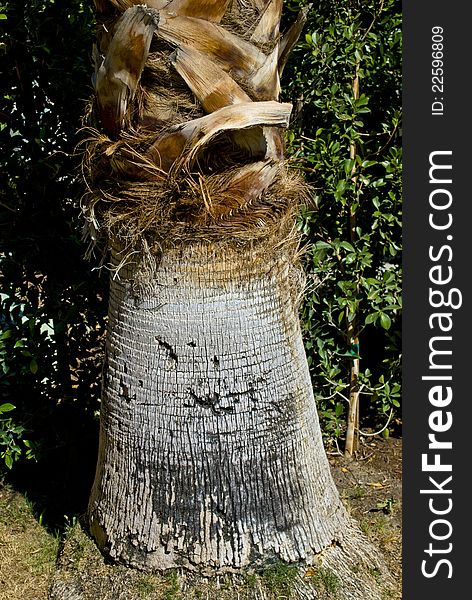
(347, 571)
(189, 145)
(241, 205)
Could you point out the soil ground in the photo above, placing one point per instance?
(30, 555)
(371, 488)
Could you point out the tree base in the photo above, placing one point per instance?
(350, 570)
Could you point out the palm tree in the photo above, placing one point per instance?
(211, 456)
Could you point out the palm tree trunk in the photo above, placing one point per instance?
(210, 449)
(211, 457)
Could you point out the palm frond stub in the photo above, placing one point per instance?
(186, 116)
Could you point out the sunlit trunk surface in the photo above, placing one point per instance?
(210, 449)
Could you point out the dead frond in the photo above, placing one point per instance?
(187, 146)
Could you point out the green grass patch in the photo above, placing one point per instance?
(28, 552)
(326, 580)
(172, 591)
(279, 579)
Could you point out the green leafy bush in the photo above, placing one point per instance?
(51, 304)
(26, 359)
(345, 81)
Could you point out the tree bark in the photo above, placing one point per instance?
(210, 448)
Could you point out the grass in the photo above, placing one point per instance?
(27, 551)
(325, 579)
(279, 579)
(357, 492)
(375, 526)
(145, 586)
(173, 590)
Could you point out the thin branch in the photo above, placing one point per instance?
(380, 430)
(376, 15)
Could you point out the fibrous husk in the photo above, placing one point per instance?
(242, 203)
(186, 139)
(116, 79)
(267, 29)
(212, 86)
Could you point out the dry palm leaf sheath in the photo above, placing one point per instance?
(210, 456)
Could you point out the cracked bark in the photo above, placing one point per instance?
(210, 449)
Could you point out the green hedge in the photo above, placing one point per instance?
(347, 141)
(51, 304)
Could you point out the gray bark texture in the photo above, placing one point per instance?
(211, 453)
(211, 457)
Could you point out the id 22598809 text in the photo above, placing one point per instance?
(437, 70)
